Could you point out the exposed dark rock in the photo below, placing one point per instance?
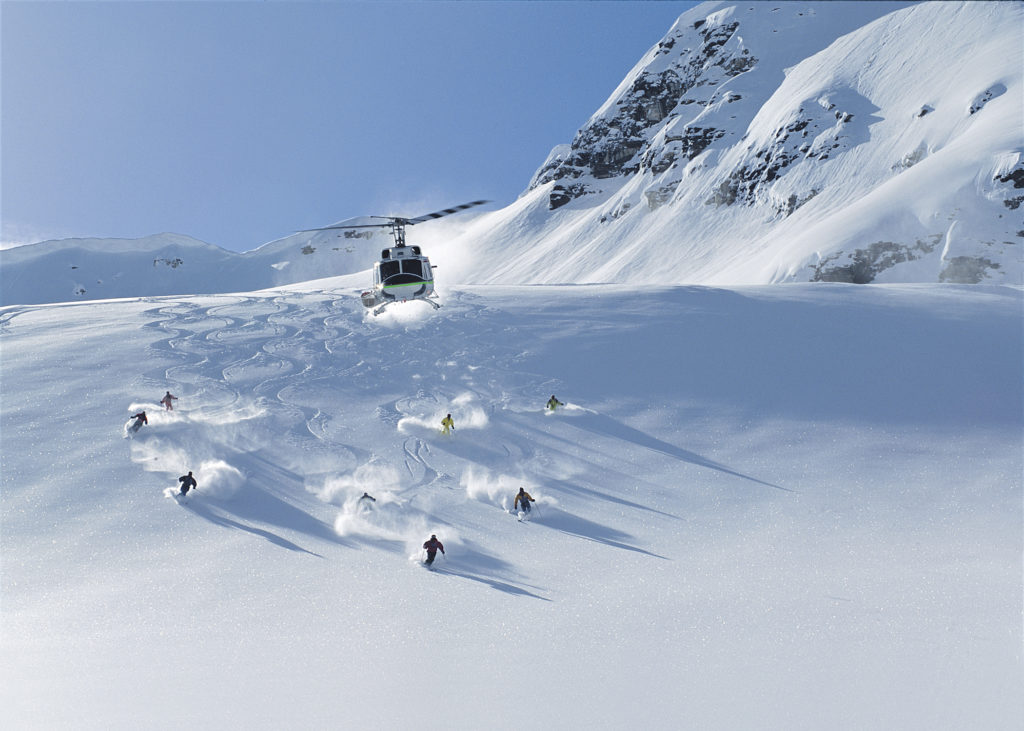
(717, 36)
(172, 263)
(691, 143)
(724, 194)
(619, 144)
(812, 135)
(659, 197)
(866, 264)
(967, 269)
(560, 194)
(985, 97)
(911, 159)
(698, 139)
(738, 64)
(794, 202)
(1016, 175)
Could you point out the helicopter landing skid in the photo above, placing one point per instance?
(430, 302)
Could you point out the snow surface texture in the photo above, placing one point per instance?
(789, 507)
(756, 142)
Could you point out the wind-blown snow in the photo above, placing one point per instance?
(783, 507)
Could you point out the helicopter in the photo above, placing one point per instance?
(403, 272)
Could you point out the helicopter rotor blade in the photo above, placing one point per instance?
(389, 221)
(439, 214)
(333, 228)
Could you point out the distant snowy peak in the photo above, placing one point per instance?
(156, 243)
(171, 264)
(746, 114)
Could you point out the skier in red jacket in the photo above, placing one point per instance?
(432, 546)
(140, 419)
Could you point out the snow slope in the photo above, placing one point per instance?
(790, 507)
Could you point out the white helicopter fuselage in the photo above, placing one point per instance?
(402, 274)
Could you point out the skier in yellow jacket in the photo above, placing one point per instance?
(447, 424)
(522, 501)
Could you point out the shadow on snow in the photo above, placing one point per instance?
(570, 524)
(211, 514)
(607, 427)
(478, 566)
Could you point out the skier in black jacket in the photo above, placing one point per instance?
(188, 482)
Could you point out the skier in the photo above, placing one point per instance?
(554, 403)
(187, 482)
(446, 425)
(523, 500)
(365, 500)
(432, 547)
(166, 401)
(140, 419)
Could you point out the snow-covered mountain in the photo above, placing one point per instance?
(763, 142)
(755, 143)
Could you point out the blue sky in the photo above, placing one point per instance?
(240, 122)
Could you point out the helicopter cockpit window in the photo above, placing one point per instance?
(413, 266)
(388, 268)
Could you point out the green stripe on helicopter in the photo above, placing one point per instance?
(409, 284)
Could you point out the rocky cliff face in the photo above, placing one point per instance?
(828, 141)
(624, 140)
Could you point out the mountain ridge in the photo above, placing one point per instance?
(760, 175)
(754, 143)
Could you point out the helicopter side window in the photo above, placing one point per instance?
(388, 269)
(413, 266)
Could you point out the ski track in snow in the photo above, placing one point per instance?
(252, 369)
